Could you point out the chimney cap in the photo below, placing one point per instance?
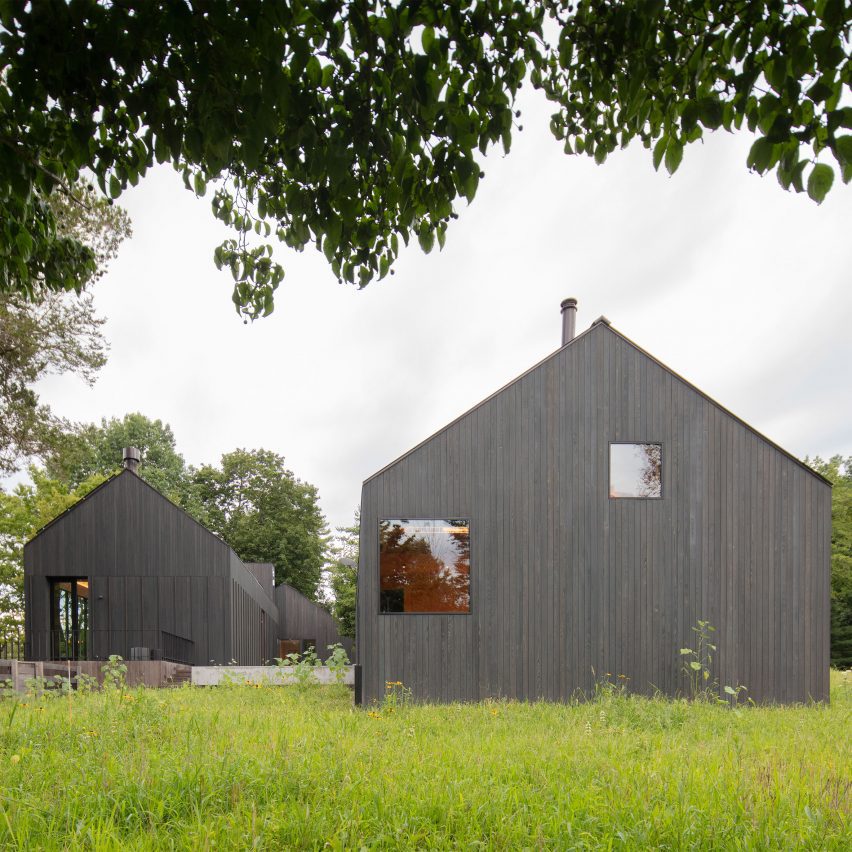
(131, 458)
(569, 319)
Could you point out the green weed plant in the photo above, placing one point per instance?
(337, 662)
(300, 666)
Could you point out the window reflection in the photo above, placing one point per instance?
(70, 619)
(636, 470)
(424, 565)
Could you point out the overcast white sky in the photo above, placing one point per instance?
(740, 287)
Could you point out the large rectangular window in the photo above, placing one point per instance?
(69, 619)
(424, 565)
(636, 470)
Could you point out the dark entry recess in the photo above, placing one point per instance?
(69, 618)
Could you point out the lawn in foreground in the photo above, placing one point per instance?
(274, 768)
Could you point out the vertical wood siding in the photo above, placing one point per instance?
(301, 618)
(566, 582)
(254, 617)
(151, 568)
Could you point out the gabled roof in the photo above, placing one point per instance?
(139, 479)
(78, 503)
(107, 482)
(604, 323)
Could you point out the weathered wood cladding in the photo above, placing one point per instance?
(568, 584)
(264, 573)
(301, 618)
(254, 617)
(151, 568)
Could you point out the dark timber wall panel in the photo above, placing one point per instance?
(301, 618)
(254, 617)
(566, 581)
(151, 567)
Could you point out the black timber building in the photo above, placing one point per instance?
(576, 525)
(125, 571)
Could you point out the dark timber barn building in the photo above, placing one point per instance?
(579, 523)
(125, 571)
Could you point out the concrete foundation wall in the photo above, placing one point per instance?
(270, 675)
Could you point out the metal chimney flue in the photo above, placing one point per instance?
(569, 320)
(131, 460)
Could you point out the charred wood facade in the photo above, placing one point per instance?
(125, 571)
(569, 578)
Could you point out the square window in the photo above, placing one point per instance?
(636, 470)
(424, 565)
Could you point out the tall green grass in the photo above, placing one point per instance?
(273, 768)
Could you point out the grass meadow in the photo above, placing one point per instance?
(286, 768)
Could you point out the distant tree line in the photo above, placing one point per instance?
(839, 471)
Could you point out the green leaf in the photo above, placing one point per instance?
(730, 690)
(428, 38)
(659, 151)
(313, 71)
(843, 149)
(819, 182)
(695, 666)
(796, 178)
(711, 112)
(689, 117)
(329, 248)
(760, 155)
(426, 238)
(674, 154)
(114, 187)
(686, 651)
(566, 49)
(24, 244)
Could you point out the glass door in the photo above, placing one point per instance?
(69, 618)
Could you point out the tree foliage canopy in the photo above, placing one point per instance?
(354, 124)
(54, 332)
(839, 471)
(99, 449)
(22, 514)
(343, 574)
(265, 513)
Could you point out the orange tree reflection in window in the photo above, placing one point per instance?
(424, 565)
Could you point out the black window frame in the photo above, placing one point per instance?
(661, 445)
(77, 644)
(403, 517)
